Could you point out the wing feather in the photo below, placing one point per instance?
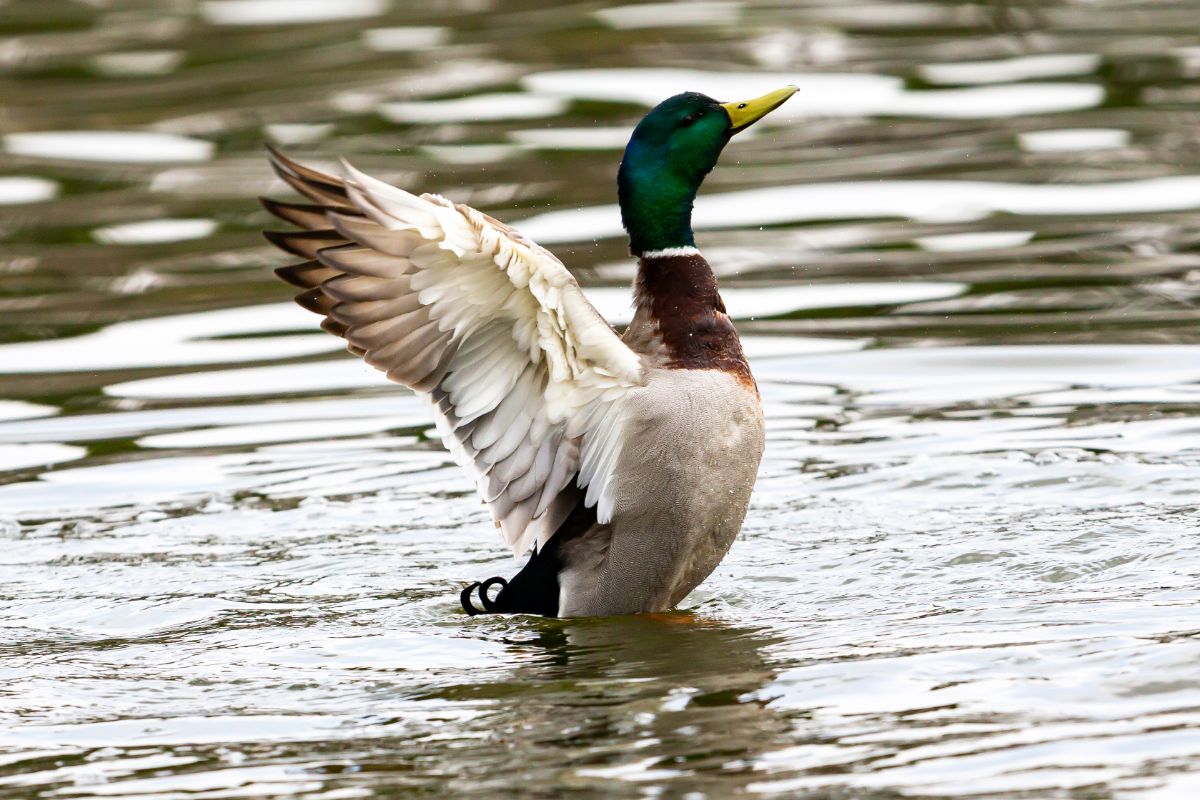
(364, 262)
(562, 471)
(304, 243)
(306, 274)
(525, 379)
(301, 215)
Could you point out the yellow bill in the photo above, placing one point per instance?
(743, 115)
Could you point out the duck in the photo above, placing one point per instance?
(621, 464)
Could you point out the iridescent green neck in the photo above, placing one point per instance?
(659, 178)
(656, 206)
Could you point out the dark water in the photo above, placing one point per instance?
(966, 258)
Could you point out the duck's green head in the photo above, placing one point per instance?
(670, 152)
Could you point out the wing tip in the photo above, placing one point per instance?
(293, 274)
(305, 244)
(276, 156)
(276, 208)
(313, 300)
(279, 239)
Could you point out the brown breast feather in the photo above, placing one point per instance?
(690, 316)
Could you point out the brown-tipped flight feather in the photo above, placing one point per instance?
(448, 302)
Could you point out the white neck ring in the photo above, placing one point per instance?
(671, 252)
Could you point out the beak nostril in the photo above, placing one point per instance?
(744, 114)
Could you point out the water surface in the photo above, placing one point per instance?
(966, 263)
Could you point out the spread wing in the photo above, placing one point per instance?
(524, 377)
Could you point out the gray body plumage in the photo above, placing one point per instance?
(693, 443)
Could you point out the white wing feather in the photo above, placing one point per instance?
(524, 377)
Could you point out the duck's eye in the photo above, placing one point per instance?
(690, 118)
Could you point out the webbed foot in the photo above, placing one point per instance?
(490, 606)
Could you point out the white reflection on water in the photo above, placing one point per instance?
(403, 39)
(21, 189)
(326, 429)
(973, 240)
(469, 153)
(1068, 140)
(1006, 367)
(671, 15)
(821, 94)
(760, 347)
(323, 376)
(298, 132)
(23, 456)
(155, 231)
(287, 12)
(19, 409)
(1006, 70)
(129, 147)
(403, 409)
(589, 138)
(283, 470)
(137, 63)
(476, 108)
(1186, 394)
(176, 340)
(927, 201)
(1169, 787)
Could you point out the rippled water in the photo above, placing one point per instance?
(966, 258)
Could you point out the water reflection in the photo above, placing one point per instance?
(120, 146)
(287, 12)
(155, 231)
(23, 456)
(1020, 68)
(206, 338)
(668, 15)
(590, 138)
(16, 190)
(639, 689)
(821, 94)
(403, 39)
(326, 376)
(1073, 139)
(478, 108)
(1001, 367)
(975, 240)
(137, 63)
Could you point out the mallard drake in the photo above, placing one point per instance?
(622, 463)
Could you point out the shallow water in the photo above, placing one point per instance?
(966, 261)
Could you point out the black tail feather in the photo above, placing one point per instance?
(533, 590)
